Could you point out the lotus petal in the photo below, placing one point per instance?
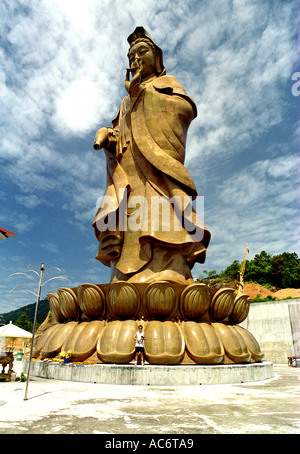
(160, 299)
(202, 343)
(164, 343)
(194, 301)
(233, 343)
(123, 299)
(42, 339)
(57, 337)
(55, 307)
(83, 339)
(222, 304)
(68, 303)
(251, 342)
(91, 300)
(240, 309)
(115, 343)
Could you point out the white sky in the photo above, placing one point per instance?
(62, 70)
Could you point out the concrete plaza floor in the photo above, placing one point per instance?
(62, 407)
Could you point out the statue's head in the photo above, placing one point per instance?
(141, 43)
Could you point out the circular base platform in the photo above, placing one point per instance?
(153, 375)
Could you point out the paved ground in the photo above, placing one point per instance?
(270, 407)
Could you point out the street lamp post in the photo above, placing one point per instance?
(40, 275)
(42, 271)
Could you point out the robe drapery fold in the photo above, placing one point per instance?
(147, 163)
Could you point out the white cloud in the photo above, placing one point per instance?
(50, 247)
(256, 206)
(71, 64)
(248, 58)
(28, 201)
(20, 221)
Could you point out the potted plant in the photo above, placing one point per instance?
(22, 377)
(66, 356)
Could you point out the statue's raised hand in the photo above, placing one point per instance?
(133, 84)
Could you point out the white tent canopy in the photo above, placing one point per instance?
(12, 332)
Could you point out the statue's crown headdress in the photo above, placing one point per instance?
(138, 33)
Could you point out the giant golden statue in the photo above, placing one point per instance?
(145, 152)
(150, 236)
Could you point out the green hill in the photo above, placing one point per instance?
(29, 310)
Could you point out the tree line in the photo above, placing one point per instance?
(24, 316)
(280, 271)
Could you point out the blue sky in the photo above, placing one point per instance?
(62, 70)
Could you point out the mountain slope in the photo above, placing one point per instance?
(29, 310)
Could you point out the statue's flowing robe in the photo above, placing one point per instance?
(147, 164)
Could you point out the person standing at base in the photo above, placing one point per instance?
(139, 344)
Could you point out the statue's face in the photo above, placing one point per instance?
(141, 57)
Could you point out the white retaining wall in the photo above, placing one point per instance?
(276, 327)
(153, 375)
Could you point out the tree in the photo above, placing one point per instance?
(282, 271)
(232, 271)
(24, 323)
(258, 269)
(285, 270)
(208, 275)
